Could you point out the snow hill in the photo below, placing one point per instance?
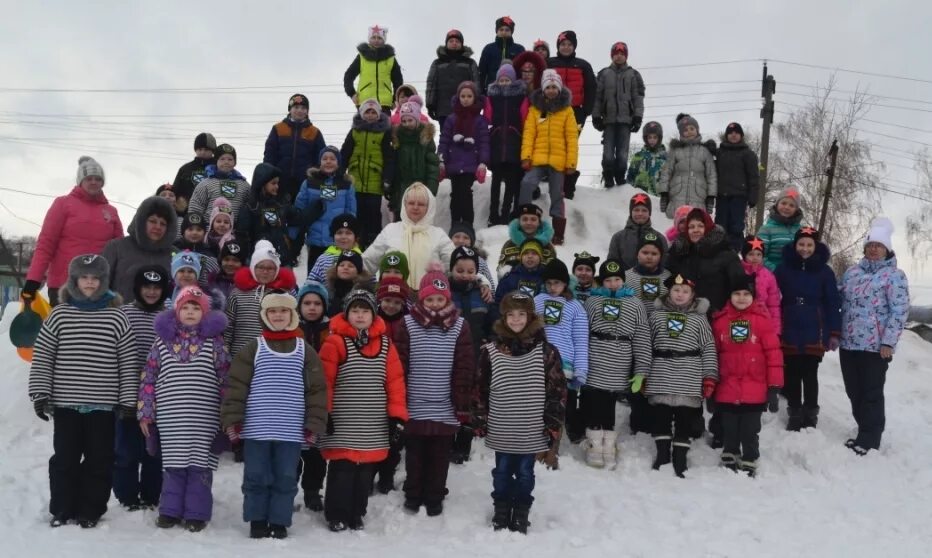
(812, 497)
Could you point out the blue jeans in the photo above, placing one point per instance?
(137, 476)
(532, 179)
(615, 142)
(513, 478)
(730, 212)
(270, 480)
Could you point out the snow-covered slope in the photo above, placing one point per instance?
(812, 496)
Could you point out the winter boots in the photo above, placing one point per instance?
(569, 185)
(663, 452)
(680, 450)
(167, 522)
(749, 467)
(730, 461)
(810, 417)
(595, 456)
(794, 419)
(609, 449)
(519, 518)
(501, 517)
(608, 175)
(313, 501)
(559, 230)
(259, 530)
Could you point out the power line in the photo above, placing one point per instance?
(16, 216)
(868, 93)
(53, 196)
(849, 71)
(884, 188)
(863, 102)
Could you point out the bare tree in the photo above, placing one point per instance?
(799, 158)
(919, 224)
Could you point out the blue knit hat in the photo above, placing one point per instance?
(186, 260)
(335, 151)
(314, 287)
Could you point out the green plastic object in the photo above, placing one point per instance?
(25, 328)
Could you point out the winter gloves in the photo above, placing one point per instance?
(708, 388)
(637, 381)
(773, 399)
(526, 165)
(40, 405)
(310, 437)
(664, 201)
(598, 123)
(233, 432)
(30, 289)
(636, 123)
(396, 428)
(709, 204)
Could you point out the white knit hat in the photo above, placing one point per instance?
(264, 251)
(881, 231)
(550, 77)
(87, 166)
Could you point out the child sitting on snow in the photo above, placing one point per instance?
(527, 225)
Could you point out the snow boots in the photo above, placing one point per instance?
(794, 419)
(167, 522)
(519, 518)
(609, 449)
(313, 501)
(595, 456)
(259, 530)
(729, 461)
(559, 230)
(749, 467)
(501, 517)
(663, 451)
(569, 185)
(608, 175)
(680, 450)
(810, 417)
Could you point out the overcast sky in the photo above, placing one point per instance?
(286, 47)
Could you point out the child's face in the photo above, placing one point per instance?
(204, 153)
(194, 234)
(435, 302)
(155, 228)
(168, 195)
(392, 272)
(681, 295)
(190, 314)
(640, 214)
(222, 224)
(312, 307)
(265, 272)
(619, 58)
(329, 163)
(88, 284)
(226, 162)
(181, 204)
(695, 229)
(805, 247)
(742, 299)
(278, 317)
(467, 97)
(613, 283)
(185, 277)
(271, 187)
(360, 317)
(754, 257)
(347, 271)
(530, 259)
(231, 265)
(454, 43)
(529, 224)
(391, 305)
(464, 270)
(150, 293)
(376, 41)
(649, 257)
(461, 239)
(298, 113)
(503, 32)
(584, 275)
(516, 320)
(528, 71)
(370, 115)
(344, 239)
(504, 80)
(555, 287)
(652, 140)
(408, 122)
(403, 96)
(551, 91)
(787, 207)
(542, 51)
(733, 137)
(565, 47)
(690, 131)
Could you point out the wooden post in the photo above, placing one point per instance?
(830, 172)
(768, 88)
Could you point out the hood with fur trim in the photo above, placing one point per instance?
(546, 106)
(285, 281)
(137, 227)
(425, 132)
(699, 305)
(709, 245)
(444, 55)
(384, 52)
(167, 325)
(533, 58)
(516, 88)
(543, 235)
(383, 124)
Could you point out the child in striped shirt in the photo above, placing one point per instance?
(137, 476)
(180, 393)
(435, 347)
(277, 401)
(344, 229)
(520, 407)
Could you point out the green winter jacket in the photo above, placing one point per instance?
(776, 233)
(369, 155)
(416, 160)
(644, 170)
(379, 75)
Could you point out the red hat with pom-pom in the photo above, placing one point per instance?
(434, 282)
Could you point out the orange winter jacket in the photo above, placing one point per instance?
(550, 134)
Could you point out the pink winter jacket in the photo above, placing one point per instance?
(75, 224)
(767, 291)
(749, 356)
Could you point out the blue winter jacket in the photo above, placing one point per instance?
(811, 303)
(338, 196)
(294, 147)
(874, 305)
(492, 56)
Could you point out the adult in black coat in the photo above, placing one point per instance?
(738, 179)
(453, 66)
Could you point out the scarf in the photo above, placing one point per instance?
(282, 335)
(86, 305)
(466, 119)
(444, 318)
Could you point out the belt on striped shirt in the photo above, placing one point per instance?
(675, 354)
(609, 337)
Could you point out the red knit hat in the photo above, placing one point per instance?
(434, 282)
(191, 294)
(393, 287)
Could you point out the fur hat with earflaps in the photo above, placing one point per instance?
(279, 300)
(88, 264)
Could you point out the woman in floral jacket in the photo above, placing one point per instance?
(875, 303)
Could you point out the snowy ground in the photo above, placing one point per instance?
(812, 496)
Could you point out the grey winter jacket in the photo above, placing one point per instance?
(128, 254)
(689, 175)
(619, 95)
(446, 73)
(624, 244)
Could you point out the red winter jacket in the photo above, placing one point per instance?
(75, 224)
(749, 355)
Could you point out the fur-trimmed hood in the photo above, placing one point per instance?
(546, 106)
(383, 124)
(534, 58)
(714, 241)
(167, 326)
(424, 133)
(443, 54)
(533, 332)
(137, 227)
(516, 88)
(543, 235)
(677, 142)
(384, 52)
(699, 305)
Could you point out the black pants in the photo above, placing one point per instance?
(510, 174)
(672, 422)
(575, 420)
(740, 430)
(598, 407)
(865, 374)
(801, 381)
(640, 413)
(461, 198)
(427, 462)
(387, 467)
(369, 213)
(312, 468)
(81, 470)
(348, 486)
(462, 442)
(313, 252)
(730, 213)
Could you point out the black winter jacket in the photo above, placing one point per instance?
(738, 174)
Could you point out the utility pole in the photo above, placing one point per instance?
(830, 172)
(768, 88)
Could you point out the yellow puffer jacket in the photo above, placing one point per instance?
(550, 133)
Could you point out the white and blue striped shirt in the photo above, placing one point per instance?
(430, 371)
(275, 406)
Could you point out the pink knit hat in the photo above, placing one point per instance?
(191, 294)
(221, 205)
(789, 192)
(681, 213)
(434, 282)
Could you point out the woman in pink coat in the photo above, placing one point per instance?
(81, 222)
(768, 292)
